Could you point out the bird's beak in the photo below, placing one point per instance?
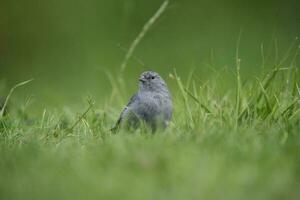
(142, 80)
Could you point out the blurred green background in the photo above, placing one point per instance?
(67, 46)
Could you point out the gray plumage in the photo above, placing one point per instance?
(152, 104)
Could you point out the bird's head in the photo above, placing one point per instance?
(151, 81)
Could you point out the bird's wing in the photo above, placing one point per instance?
(117, 125)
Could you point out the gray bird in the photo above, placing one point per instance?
(151, 105)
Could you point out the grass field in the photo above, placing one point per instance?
(239, 144)
(235, 131)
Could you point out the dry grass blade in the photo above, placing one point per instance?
(10, 93)
(145, 29)
(197, 101)
(91, 104)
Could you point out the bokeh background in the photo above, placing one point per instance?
(69, 46)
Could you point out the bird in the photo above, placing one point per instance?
(150, 105)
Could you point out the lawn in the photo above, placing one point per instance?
(241, 143)
(233, 73)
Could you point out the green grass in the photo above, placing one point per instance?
(239, 144)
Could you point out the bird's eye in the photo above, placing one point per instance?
(153, 77)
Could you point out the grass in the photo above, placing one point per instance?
(239, 144)
(243, 144)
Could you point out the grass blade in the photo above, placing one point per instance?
(10, 93)
(141, 35)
